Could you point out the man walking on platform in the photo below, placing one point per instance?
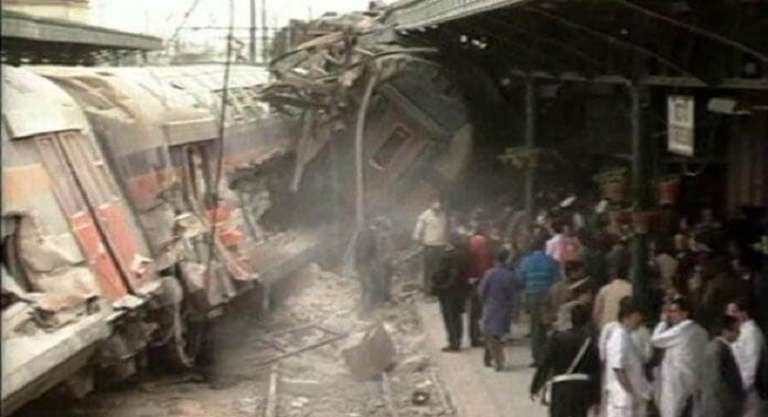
(480, 257)
(451, 289)
(431, 232)
(537, 272)
(572, 366)
(722, 388)
(496, 292)
(626, 387)
(606, 308)
(747, 350)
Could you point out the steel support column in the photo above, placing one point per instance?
(530, 142)
(252, 34)
(641, 200)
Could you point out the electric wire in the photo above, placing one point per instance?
(177, 30)
(221, 132)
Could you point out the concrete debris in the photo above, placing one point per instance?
(299, 402)
(420, 397)
(369, 353)
(416, 363)
(188, 408)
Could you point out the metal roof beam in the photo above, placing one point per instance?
(539, 37)
(613, 40)
(694, 29)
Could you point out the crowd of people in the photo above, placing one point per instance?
(697, 348)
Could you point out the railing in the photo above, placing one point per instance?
(429, 12)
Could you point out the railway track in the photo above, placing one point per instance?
(383, 390)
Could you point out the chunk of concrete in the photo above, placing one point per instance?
(415, 363)
(369, 353)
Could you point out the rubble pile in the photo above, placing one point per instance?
(345, 378)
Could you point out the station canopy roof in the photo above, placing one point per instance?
(693, 43)
(42, 39)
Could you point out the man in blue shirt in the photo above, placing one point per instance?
(537, 272)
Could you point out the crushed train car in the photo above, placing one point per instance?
(119, 235)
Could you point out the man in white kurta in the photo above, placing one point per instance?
(431, 232)
(746, 351)
(683, 343)
(626, 388)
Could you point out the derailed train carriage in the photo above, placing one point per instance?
(110, 201)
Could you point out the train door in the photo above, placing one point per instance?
(85, 189)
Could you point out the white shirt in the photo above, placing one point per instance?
(747, 350)
(684, 347)
(431, 228)
(622, 354)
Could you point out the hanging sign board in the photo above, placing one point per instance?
(680, 125)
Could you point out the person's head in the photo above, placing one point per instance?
(437, 202)
(580, 316)
(558, 226)
(681, 242)
(537, 244)
(727, 327)
(707, 215)
(738, 309)
(619, 270)
(502, 256)
(631, 315)
(677, 310)
(574, 270)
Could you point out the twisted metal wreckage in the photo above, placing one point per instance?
(144, 139)
(329, 81)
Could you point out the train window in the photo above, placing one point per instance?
(65, 188)
(387, 151)
(87, 161)
(196, 182)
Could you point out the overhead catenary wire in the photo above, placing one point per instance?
(184, 18)
(221, 132)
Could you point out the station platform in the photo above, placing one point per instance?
(475, 390)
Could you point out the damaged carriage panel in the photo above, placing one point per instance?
(66, 240)
(159, 126)
(416, 134)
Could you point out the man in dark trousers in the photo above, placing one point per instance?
(537, 272)
(480, 260)
(723, 392)
(451, 288)
(572, 365)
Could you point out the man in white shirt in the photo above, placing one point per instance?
(626, 387)
(684, 344)
(747, 350)
(431, 232)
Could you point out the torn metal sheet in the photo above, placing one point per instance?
(325, 73)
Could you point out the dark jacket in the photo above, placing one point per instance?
(449, 279)
(561, 350)
(722, 390)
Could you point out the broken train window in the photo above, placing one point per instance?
(389, 149)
